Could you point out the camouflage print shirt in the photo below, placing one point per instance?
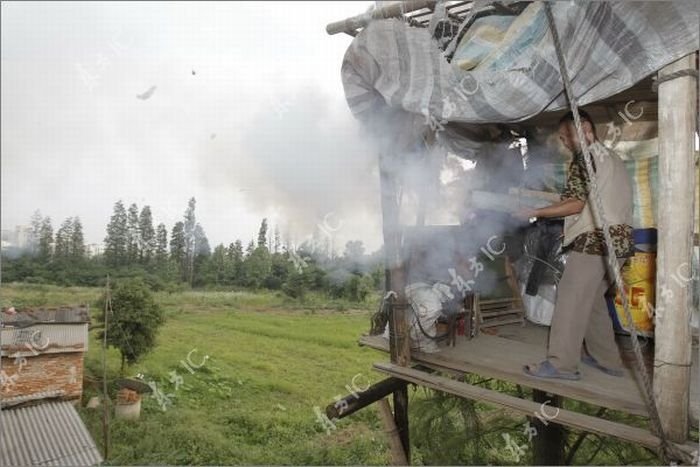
(593, 243)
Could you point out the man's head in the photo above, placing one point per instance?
(568, 134)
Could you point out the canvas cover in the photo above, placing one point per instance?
(608, 46)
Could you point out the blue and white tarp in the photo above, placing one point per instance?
(608, 46)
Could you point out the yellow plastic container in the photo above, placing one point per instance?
(639, 276)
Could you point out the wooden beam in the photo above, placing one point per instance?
(398, 456)
(401, 419)
(672, 352)
(390, 11)
(354, 402)
(395, 274)
(564, 417)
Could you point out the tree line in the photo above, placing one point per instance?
(180, 257)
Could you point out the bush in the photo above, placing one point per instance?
(296, 285)
(272, 283)
(358, 288)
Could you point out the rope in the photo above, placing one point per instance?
(671, 76)
(668, 451)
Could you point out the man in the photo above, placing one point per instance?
(580, 314)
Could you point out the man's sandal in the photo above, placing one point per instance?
(590, 361)
(547, 370)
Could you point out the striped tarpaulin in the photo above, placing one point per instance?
(609, 46)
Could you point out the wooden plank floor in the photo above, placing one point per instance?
(502, 357)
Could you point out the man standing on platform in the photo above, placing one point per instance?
(581, 328)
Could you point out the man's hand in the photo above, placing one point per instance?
(525, 214)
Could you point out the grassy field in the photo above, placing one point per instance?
(271, 361)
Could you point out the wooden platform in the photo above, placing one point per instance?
(502, 357)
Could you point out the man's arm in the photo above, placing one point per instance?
(566, 207)
(573, 198)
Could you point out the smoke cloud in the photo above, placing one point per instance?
(304, 158)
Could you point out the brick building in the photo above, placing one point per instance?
(42, 351)
(41, 379)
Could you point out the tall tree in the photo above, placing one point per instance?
(147, 235)
(219, 264)
(161, 251)
(133, 228)
(202, 252)
(36, 223)
(117, 237)
(235, 255)
(262, 234)
(178, 249)
(77, 240)
(45, 239)
(257, 263)
(249, 249)
(63, 240)
(189, 224)
(201, 241)
(277, 248)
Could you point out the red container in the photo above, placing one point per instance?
(460, 326)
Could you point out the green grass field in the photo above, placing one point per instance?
(271, 361)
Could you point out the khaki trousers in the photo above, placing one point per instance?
(581, 313)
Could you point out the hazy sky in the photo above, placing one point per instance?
(260, 129)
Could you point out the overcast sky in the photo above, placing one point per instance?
(260, 129)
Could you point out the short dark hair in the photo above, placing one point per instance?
(569, 117)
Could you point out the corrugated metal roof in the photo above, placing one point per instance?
(44, 338)
(50, 433)
(10, 401)
(29, 316)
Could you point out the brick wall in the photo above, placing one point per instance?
(44, 372)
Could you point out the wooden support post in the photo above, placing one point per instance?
(401, 419)
(672, 353)
(548, 442)
(398, 456)
(395, 273)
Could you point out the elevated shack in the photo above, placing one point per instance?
(461, 77)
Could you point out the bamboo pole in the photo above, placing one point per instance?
(398, 457)
(390, 11)
(672, 353)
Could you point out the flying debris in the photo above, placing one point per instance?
(193, 73)
(147, 94)
(212, 136)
